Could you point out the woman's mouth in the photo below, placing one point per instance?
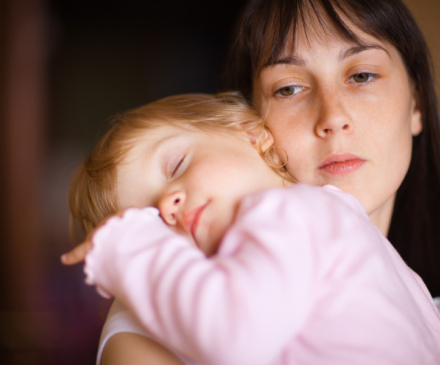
(341, 164)
(191, 220)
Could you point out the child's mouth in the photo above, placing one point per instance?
(191, 221)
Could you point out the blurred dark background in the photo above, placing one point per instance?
(66, 66)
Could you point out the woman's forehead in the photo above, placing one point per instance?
(312, 29)
(320, 35)
(315, 42)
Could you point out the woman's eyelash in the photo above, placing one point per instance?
(358, 78)
(177, 166)
(289, 90)
(363, 77)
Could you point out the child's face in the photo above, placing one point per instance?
(196, 179)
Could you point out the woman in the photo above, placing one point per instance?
(347, 91)
(407, 209)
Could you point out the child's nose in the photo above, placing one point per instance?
(170, 205)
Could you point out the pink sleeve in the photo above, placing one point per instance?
(209, 310)
(286, 251)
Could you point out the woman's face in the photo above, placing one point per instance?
(343, 114)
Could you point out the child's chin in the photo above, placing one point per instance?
(210, 248)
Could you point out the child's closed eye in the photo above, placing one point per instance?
(176, 169)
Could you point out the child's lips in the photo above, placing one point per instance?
(191, 220)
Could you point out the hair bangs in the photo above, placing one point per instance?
(274, 25)
(268, 27)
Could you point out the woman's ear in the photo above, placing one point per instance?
(416, 116)
(261, 137)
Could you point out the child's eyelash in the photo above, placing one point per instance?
(177, 166)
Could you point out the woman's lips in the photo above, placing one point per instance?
(341, 164)
(191, 220)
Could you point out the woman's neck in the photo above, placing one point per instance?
(381, 217)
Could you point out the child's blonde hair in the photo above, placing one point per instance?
(93, 189)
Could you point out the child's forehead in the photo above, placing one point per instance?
(150, 142)
(156, 136)
(164, 140)
(153, 138)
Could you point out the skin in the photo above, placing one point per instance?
(196, 179)
(133, 349)
(332, 100)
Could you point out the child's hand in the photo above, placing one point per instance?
(78, 254)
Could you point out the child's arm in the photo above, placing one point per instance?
(226, 310)
(243, 305)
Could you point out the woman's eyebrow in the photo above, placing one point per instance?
(289, 60)
(356, 49)
(351, 51)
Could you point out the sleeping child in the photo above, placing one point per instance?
(223, 259)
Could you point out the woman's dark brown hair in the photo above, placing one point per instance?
(261, 37)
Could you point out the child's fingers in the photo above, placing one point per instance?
(77, 255)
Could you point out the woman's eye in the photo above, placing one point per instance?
(176, 169)
(362, 77)
(289, 90)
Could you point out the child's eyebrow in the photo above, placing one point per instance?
(164, 141)
(164, 148)
(160, 146)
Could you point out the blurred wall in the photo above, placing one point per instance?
(427, 13)
(65, 67)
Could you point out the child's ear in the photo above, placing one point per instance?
(263, 136)
(266, 140)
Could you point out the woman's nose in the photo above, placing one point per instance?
(333, 117)
(170, 205)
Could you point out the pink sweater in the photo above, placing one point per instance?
(302, 277)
